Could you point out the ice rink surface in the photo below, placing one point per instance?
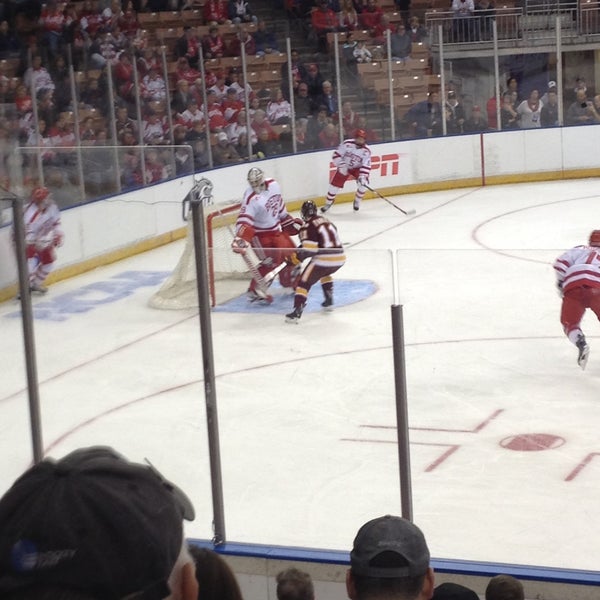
(505, 452)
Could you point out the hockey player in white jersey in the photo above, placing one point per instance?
(43, 235)
(265, 223)
(578, 280)
(351, 158)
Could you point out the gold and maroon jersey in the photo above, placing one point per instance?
(320, 240)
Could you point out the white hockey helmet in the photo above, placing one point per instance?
(256, 179)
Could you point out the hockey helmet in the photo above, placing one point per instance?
(595, 238)
(308, 210)
(39, 194)
(256, 179)
(360, 134)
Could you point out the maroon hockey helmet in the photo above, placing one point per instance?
(595, 238)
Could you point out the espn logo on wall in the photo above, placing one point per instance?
(383, 165)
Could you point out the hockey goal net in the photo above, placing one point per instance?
(227, 272)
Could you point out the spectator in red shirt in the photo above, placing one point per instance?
(52, 23)
(370, 17)
(323, 21)
(213, 44)
(215, 11)
(188, 45)
(260, 123)
(242, 37)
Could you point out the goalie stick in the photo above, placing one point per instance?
(408, 213)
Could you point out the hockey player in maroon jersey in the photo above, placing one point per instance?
(578, 281)
(351, 158)
(42, 235)
(319, 242)
(265, 223)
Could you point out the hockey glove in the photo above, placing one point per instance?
(291, 225)
(239, 245)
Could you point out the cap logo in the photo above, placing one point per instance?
(25, 556)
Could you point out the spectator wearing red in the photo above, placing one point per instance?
(91, 18)
(214, 112)
(370, 17)
(128, 21)
(329, 136)
(188, 45)
(154, 129)
(231, 106)
(349, 119)
(191, 115)
(185, 71)
(323, 21)
(215, 11)
(379, 31)
(123, 73)
(260, 123)
(219, 88)
(245, 39)
(52, 24)
(213, 44)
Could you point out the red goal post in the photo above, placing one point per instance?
(225, 268)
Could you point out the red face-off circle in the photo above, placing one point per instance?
(532, 442)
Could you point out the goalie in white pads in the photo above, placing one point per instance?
(351, 158)
(578, 280)
(321, 243)
(265, 224)
(43, 235)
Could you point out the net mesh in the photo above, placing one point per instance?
(179, 290)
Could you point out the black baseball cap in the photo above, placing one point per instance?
(390, 535)
(95, 522)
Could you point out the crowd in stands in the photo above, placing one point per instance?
(93, 525)
(86, 72)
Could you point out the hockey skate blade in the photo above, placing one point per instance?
(411, 213)
(582, 360)
(292, 320)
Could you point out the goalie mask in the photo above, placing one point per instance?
(256, 179)
(308, 210)
(595, 238)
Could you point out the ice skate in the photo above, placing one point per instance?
(327, 304)
(294, 316)
(584, 351)
(38, 288)
(258, 297)
(326, 207)
(356, 205)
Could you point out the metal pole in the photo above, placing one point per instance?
(336, 50)
(28, 336)
(138, 112)
(288, 48)
(442, 80)
(202, 192)
(113, 127)
(497, 77)
(75, 100)
(241, 33)
(388, 41)
(204, 100)
(401, 411)
(559, 70)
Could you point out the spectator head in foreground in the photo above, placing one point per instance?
(504, 587)
(93, 525)
(216, 579)
(293, 584)
(453, 591)
(389, 560)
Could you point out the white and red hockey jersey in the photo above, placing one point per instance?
(578, 267)
(263, 211)
(353, 157)
(42, 225)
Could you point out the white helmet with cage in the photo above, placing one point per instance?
(256, 179)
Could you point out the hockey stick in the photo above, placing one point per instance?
(408, 213)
